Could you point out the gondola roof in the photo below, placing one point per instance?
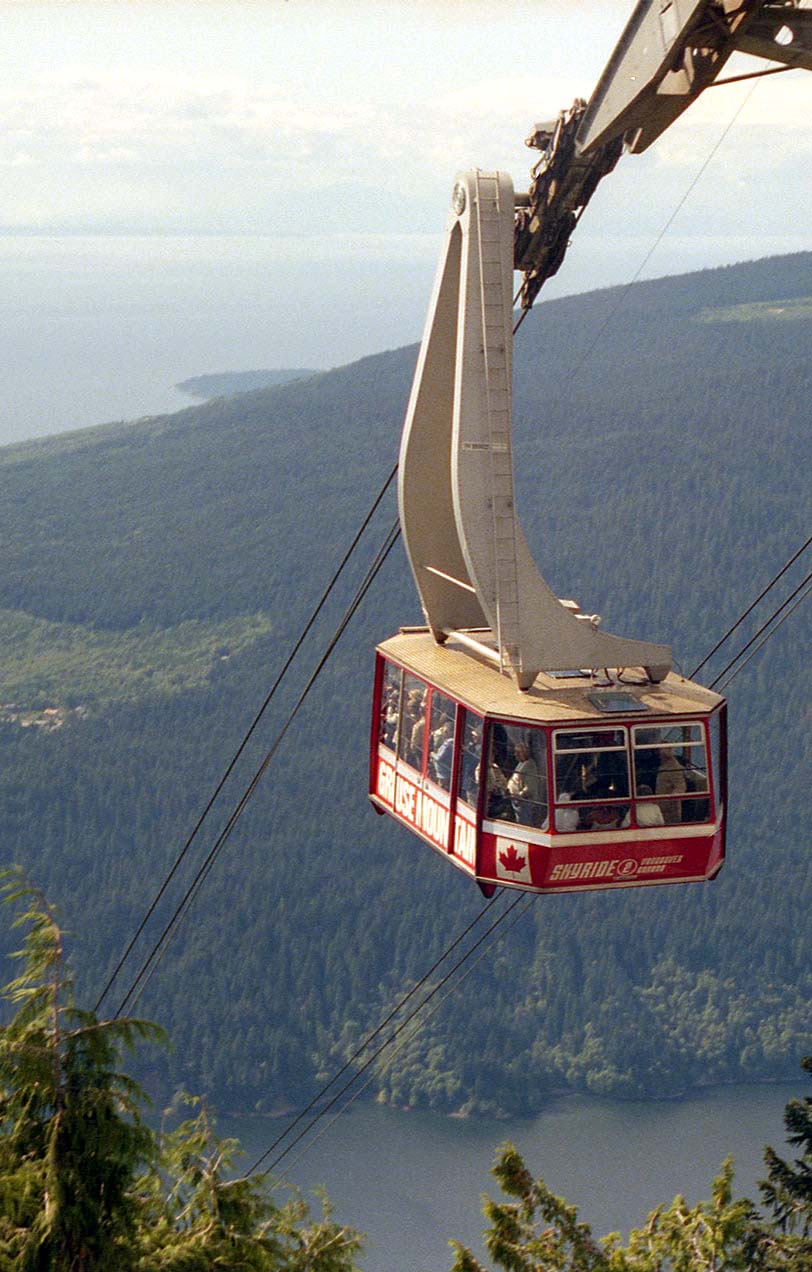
(559, 697)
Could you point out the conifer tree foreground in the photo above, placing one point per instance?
(785, 1243)
(85, 1184)
(535, 1231)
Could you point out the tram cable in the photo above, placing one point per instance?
(805, 582)
(159, 947)
(387, 1041)
(254, 723)
(750, 608)
(370, 1037)
(365, 1085)
(759, 647)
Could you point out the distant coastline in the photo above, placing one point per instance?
(228, 383)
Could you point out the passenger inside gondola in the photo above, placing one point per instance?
(441, 739)
(525, 785)
(390, 705)
(471, 757)
(567, 819)
(413, 722)
(670, 781)
(498, 804)
(671, 763)
(592, 773)
(646, 814)
(517, 776)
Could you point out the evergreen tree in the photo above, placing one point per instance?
(198, 1215)
(536, 1230)
(539, 1232)
(85, 1184)
(785, 1245)
(708, 1237)
(72, 1139)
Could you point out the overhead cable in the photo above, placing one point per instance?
(759, 647)
(387, 1041)
(522, 910)
(167, 934)
(370, 1037)
(764, 626)
(260, 713)
(761, 629)
(780, 574)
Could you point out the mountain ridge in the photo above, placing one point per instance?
(662, 480)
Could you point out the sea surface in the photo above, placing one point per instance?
(95, 329)
(99, 328)
(411, 1181)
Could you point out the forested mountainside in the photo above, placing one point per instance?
(154, 575)
(227, 383)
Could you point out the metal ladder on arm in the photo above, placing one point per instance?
(497, 395)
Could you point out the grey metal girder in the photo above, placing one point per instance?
(671, 50)
(469, 556)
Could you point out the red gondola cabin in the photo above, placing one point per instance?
(571, 785)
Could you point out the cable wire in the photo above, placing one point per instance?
(432, 1011)
(362, 1046)
(751, 607)
(159, 948)
(260, 713)
(741, 666)
(804, 582)
(387, 1041)
(751, 75)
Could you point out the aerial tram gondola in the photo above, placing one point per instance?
(512, 733)
(531, 748)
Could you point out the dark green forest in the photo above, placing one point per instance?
(154, 575)
(89, 1182)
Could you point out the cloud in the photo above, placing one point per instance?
(145, 116)
(508, 97)
(351, 148)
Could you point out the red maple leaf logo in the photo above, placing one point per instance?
(512, 861)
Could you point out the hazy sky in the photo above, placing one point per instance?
(333, 128)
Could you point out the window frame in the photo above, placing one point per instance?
(627, 729)
(542, 731)
(694, 796)
(618, 749)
